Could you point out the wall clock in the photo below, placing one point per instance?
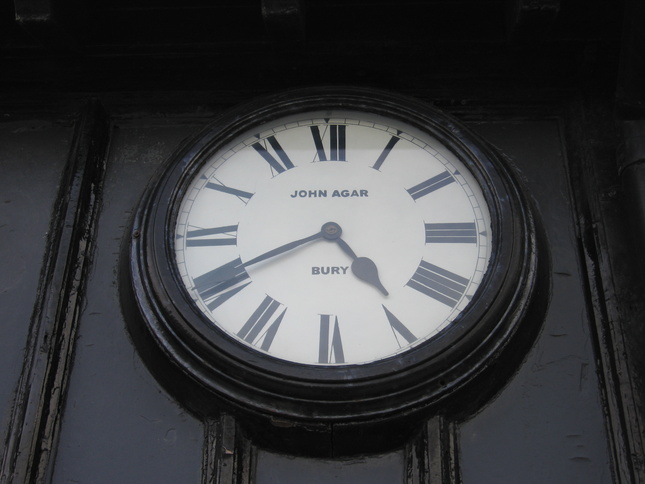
(333, 255)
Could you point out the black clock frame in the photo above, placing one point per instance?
(208, 366)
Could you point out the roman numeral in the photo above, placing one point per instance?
(430, 185)
(398, 328)
(281, 165)
(451, 233)
(229, 190)
(330, 349)
(226, 235)
(440, 284)
(221, 298)
(336, 143)
(253, 330)
(385, 152)
(220, 279)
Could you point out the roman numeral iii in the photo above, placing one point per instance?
(451, 233)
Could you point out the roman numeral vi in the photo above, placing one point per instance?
(330, 348)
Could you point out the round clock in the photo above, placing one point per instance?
(333, 255)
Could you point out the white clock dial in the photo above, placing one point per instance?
(406, 240)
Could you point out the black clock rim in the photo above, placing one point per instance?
(427, 372)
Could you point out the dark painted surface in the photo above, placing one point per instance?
(547, 425)
(377, 469)
(33, 154)
(119, 426)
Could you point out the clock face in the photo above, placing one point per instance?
(334, 237)
(333, 255)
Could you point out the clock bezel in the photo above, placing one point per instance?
(426, 374)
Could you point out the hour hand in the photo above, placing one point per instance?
(363, 267)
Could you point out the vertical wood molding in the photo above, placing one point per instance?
(228, 457)
(433, 457)
(40, 395)
(601, 222)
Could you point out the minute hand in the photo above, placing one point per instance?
(282, 249)
(232, 270)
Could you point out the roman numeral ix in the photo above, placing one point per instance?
(213, 237)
